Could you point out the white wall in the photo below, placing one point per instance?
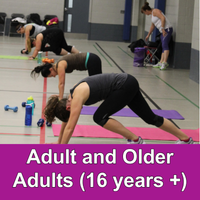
(47, 7)
(185, 21)
(148, 17)
(106, 11)
(135, 13)
(171, 12)
(195, 28)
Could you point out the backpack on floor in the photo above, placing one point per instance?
(137, 43)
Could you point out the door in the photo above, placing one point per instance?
(76, 15)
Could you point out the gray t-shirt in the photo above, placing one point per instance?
(38, 29)
(102, 85)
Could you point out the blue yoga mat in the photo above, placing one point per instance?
(127, 112)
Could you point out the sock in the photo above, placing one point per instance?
(136, 140)
(186, 140)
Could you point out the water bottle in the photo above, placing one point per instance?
(31, 102)
(28, 115)
(39, 57)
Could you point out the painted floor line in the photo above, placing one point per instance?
(170, 86)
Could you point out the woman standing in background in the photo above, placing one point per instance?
(159, 21)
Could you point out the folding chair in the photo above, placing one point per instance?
(34, 18)
(2, 22)
(13, 24)
(152, 47)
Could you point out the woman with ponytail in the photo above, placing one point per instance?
(68, 63)
(160, 21)
(116, 91)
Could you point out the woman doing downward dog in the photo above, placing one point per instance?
(68, 63)
(117, 91)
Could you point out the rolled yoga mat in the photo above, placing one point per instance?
(15, 57)
(146, 133)
(127, 112)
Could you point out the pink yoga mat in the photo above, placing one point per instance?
(145, 133)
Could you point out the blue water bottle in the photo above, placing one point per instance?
(31, 102)
(28, 115)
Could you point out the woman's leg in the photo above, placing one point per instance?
(165, 47)
(142, 109)
(94, 64)
(171, 128)
(65, 46)
(162, 57)
(74, 50)
(116, 127)
(116, 101)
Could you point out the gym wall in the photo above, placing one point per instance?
(106, 20)
(50, 7)
(194, 59)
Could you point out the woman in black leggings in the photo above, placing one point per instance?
(117, 91)
(68, 63)
(51, 40)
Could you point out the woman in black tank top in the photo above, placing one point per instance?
(51, 40)
(117, 91)
(68, 63)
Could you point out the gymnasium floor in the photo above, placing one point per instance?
(168, 90)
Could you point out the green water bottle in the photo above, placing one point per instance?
(39, 57)
(30, 101)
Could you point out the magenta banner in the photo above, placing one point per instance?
(99, 172)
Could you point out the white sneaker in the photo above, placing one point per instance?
(140, 141)
(182, 142)
(158, 65)
(164, 66)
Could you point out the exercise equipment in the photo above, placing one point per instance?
(7, 107)
(24, 104)
(40, 122)
(127, 112)
(48, 124)
(47, 60)
(146, 133)
(26, 52)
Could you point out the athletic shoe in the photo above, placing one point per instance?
(158, 65)
(140, 141)
(182, 142)
(164, 66)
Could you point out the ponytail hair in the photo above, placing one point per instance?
(56, 108)
(43, 69)
(145, 7)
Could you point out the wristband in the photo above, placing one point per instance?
(161, 28)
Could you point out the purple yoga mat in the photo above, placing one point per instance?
(127, 112)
